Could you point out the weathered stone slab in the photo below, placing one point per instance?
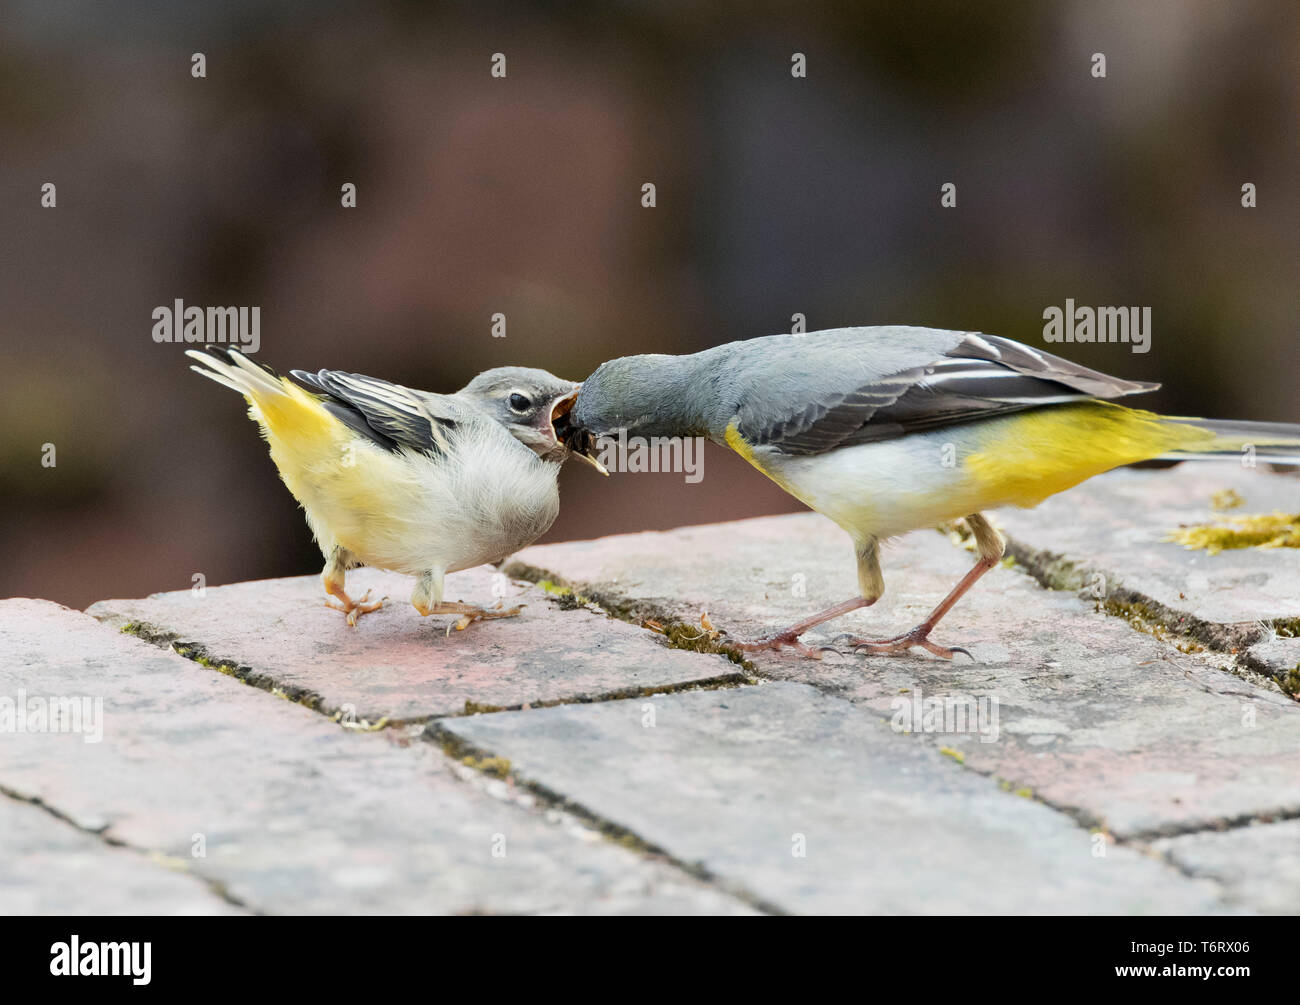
(814, 805)
(1278, 658)
(394, 664)
(1118, 524)
(752, 576)
(1259, 866)
(1093, 715)
(292, 812)
(49, 867)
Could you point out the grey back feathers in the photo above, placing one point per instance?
(807, 394)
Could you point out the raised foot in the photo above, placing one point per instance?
(468, 617)
(355, 608)
(918, 636)
(468, 613)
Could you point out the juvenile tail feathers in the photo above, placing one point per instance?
(236, 371)
(291, 418)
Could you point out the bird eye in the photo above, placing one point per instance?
(519, 402)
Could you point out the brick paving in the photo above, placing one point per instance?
(1123, 742)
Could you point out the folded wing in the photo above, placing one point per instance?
(972, 377)
(390, 415)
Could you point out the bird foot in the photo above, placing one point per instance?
(354, 608)
(777, 641)
(468, 615)
(918, 636)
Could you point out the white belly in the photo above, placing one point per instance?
(405, 512)
(881, 489)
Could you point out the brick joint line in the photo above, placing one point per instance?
(155, 857)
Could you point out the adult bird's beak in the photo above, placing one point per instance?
(579, 441)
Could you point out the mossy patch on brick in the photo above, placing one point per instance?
(1264, 530)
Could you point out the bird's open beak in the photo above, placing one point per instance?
(581, 445)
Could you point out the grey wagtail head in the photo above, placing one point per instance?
(527, 402)
(419, 483)
(891, 429)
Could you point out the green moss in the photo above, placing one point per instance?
(696, 639)
(1148, 619)
(956, 755)
(1024, 792)
(199, 655)
(1286, 628)
(497, 767)
(565, 598)
(1226, 499)
(678, 634)
(1265, 530)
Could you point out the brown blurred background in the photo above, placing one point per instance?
(522, 196)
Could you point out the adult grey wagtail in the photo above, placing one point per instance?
(891, 429)
(400, 479)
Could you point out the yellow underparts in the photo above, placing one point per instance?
(319, 458)
(741, 446)
(1024, 458)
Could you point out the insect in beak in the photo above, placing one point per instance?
(578, 441)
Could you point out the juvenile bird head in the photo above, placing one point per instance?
(527, 402)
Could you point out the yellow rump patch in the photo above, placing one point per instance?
(296, 413)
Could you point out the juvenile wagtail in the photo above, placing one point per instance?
(892, 429)
(418, 483)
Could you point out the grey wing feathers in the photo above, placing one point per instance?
(978, 376)
(392, 416)
(1043, 365)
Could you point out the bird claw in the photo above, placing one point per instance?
(778, 641)
(918, 636)
(468, 617)
(353, 609)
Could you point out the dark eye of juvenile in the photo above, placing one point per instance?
(519, 403)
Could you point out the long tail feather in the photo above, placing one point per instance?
(1269, 442)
